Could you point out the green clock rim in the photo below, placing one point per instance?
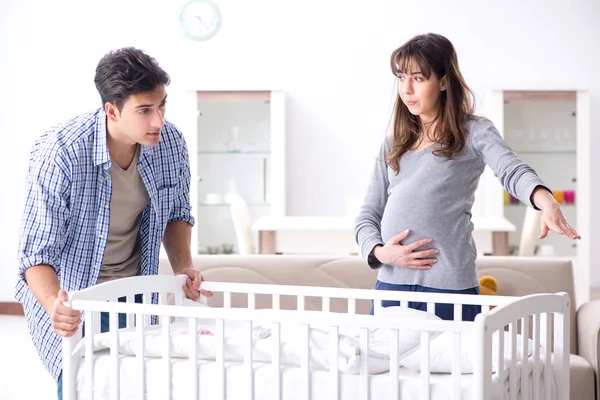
(203, 37)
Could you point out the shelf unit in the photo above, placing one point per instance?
(498, 102)
(542, 131)
(238, 148)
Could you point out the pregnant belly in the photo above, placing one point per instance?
(451, 235)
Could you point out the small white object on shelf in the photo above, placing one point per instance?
(233, 145)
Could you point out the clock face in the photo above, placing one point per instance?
(200, 19)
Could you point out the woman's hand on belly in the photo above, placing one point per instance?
(407, 256)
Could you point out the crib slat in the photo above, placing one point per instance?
(351, 306)
(547, 346)
(431, 308)
(276, 302)
(560, 323)
(524, 352)
(251, 301)
(304, 360)
(377, 306)
(130, 317)
(276, 360)
(425, 370)
(227, 299)
(193, 357)
(536, 357)
(334, 366)
(162, 300)
(89, 351)
(364, 388)
(458, 308)
(220, 355)
(140, 343)
(404, 303)
(147, 299)
(248, 360)
(300, 303)
(513, 361)
(114, 355)
(456, 371)
(326, 304)
(97, 322)
(499, 337)
(394, 365)
(166, 354)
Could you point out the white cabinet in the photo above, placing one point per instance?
(553, 154)
(237, 147)
(543, 134)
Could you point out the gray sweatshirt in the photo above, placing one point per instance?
(432, 197)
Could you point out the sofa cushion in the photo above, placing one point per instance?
(582, 386)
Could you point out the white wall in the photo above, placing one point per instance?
(330, 56)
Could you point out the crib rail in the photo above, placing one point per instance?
(510, 312)
(549, 315)
(329, 293)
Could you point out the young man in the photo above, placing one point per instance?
(103, 191)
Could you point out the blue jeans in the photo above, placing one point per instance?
(444, 311)
(104, 327)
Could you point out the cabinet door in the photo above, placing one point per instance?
(233, 157)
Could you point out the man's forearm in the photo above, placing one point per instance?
(177, 238)
(43, 282)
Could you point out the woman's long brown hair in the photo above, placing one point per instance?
(435, 54)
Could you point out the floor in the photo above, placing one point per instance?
(22, 374)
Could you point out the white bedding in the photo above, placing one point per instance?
(294, 385)
(293, 342)
(263, 339)
(292, 339)
(292, 345)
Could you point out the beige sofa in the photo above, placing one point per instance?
(516, 276)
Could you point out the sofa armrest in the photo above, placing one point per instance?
(588, 336)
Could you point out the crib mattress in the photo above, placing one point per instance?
(292, 382)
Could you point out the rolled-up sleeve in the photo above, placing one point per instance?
(45, 215)
(181, 209)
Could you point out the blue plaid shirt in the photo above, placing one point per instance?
(66, 218)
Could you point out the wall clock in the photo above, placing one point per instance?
(200, 19)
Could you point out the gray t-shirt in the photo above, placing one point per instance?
(122, 255)
(432, 197)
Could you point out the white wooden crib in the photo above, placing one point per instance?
(244, 353)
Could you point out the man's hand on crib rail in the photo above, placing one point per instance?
(192, 287)
(65, 320)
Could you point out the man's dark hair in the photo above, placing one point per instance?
(127, 71)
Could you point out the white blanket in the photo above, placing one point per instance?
(292, 344)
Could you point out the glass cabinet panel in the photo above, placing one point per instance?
(233, 158)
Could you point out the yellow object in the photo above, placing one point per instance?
(488, 285)
(559, 197)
